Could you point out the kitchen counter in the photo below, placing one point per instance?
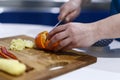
(108, 58)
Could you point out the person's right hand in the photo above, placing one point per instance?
(70, 10)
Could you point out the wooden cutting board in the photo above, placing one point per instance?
(43, 64)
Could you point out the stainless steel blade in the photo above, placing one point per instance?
(57, 24)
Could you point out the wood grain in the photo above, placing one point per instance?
(40, 63)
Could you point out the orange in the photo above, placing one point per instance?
(41, 39)
(42, 42)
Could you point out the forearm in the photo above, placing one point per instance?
(109, 27)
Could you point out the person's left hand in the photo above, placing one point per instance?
(73, 35)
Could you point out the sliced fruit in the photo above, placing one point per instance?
(4, 53)
(41, 39)
(42, 42)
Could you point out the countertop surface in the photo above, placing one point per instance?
(107, 66)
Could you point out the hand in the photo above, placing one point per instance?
(70, 10)
(73, 35)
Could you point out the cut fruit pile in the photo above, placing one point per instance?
(42, 42)
(20, 44)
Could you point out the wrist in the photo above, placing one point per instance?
(96, 32)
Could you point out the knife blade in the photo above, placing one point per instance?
(57, 24)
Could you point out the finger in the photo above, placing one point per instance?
(55, 31)
(64, 11)
(72, 16)
(57, 37)
(63, 43)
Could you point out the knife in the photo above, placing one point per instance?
(57, 24)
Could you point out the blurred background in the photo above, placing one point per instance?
(45, 12)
